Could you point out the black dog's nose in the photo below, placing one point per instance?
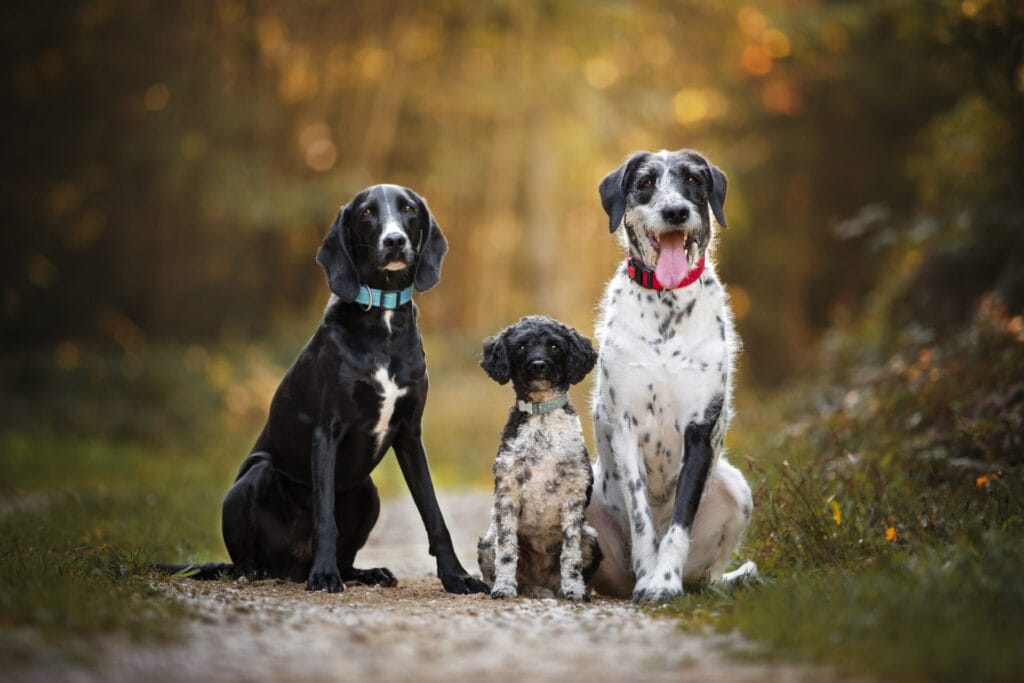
(676, 214)
(539, 366)
(394, 242)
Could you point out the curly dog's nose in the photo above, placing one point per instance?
(539, 366)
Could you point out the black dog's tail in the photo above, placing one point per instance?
(208, 571)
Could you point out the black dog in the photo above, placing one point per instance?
(303, 502)
(538, 543)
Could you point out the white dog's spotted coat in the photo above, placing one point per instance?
(665, 366)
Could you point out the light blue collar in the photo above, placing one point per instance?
(544, 407)
(379, 298)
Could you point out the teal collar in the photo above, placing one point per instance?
(544, 407)
(379, 298)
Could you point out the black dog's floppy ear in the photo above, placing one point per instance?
(718, 185)
(613, 190)
(495, 361)
(432, 249)
(335, 255)
(580, 356)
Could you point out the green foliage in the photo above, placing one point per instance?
(888, 522)
(949, 615)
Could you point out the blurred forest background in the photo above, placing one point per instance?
(170, 168)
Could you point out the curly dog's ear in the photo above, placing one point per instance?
(335, 256)
(495, 361)
(580, 356)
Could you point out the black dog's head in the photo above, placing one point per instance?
(663, 200)
(384, 238)
(538, 354)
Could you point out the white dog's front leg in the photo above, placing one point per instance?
(627, 469)
(666, 581)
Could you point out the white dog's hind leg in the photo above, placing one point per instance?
(612, 577)
(723, 515)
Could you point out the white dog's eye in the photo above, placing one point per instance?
(690, 180)
(367, 212)
(646, 183)
(408, 208)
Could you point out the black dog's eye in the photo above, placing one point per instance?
(408, 208)
(367, 212)
(554, 348)
(520, 348)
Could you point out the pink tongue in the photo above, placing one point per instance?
(672, 265)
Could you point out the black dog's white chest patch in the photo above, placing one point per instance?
(390, 392)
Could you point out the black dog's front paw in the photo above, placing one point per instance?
(378, 576)
(462, 584)
(325, 579)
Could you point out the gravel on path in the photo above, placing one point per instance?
(276, 631)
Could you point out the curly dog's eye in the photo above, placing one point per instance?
(554, 348)
(520, 348)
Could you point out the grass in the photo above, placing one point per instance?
(110, 460)
(887, 515)
(889, 521)
(86, 518)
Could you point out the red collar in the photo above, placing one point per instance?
(646, 278)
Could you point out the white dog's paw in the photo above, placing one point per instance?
(658, 590)
(746, 574)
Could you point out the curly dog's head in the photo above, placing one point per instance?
(538, 354)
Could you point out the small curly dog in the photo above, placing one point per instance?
(538, 543)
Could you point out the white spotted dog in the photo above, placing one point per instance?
(667, 506)
(542, 475)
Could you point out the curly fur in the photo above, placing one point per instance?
(538, 543)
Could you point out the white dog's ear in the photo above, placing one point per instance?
(718, 185)
(615, 186)
(495, 361)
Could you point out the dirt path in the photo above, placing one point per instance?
(271, 631)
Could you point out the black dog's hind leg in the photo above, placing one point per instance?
(413, 461)
(257, 521)
(357, 511)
